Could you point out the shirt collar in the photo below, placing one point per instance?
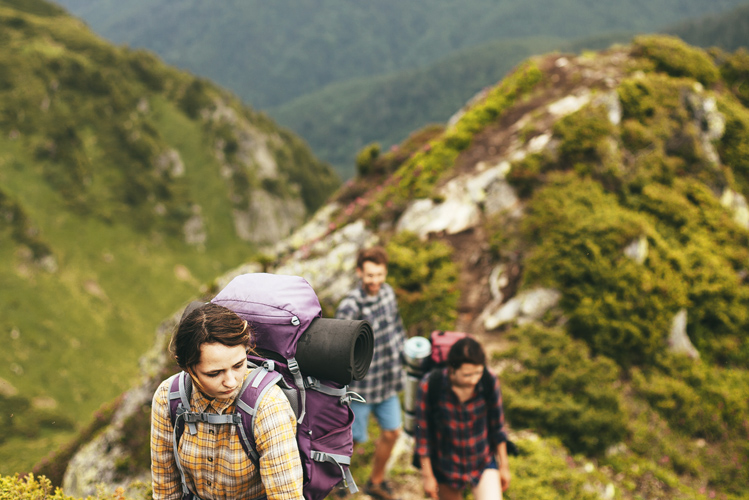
(369, 298)
(202, 404)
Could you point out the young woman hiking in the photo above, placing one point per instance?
(211, 345)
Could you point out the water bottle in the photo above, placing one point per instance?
(416, 353)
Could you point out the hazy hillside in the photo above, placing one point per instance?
(587, 218)
(125, 186)
(728, 31)
(367, 78)
(271, 52)
(340, 119)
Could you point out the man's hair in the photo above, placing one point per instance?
(378, 255)
(209, 323)
(466, 350)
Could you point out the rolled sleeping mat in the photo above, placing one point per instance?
(339, 350)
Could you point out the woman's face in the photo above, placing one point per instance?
(221, 369)
(467, 376)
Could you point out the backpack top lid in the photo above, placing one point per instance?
(278, 308)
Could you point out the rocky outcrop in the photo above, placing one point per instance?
(527, 306)
(96, 466)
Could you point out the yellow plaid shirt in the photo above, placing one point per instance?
(215, 464)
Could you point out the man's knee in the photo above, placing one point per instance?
(390, 436)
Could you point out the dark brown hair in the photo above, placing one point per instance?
(208, 323)
(378, 255)
(466, 350)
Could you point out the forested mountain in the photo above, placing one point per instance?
(344, 74)
(340, 119)
(125, 186)
(272, 52)
(587, 218)
(728, 31)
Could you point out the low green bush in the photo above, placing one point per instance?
(40, 488)
(553, 386)
(425, 280)
(674, 57)
(543, 472)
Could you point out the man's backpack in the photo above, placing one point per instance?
(279, 309)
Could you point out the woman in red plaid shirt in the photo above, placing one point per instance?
(468, 439)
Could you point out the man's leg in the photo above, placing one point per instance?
(388, 415)
(383, 449)
(361, 419)
(488, 487)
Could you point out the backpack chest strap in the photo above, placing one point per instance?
(212, 418)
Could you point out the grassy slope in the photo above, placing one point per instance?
(78, 188)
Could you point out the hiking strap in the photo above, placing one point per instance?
(345, 395)
(266, 375)
(299, 381)
(348, 478)
(185, 388)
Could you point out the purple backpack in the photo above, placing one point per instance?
(279, 309)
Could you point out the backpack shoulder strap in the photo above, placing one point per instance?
(254, 388)
(434, 388)
(487, 390)
(180, 389)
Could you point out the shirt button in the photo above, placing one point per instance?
(210, 459)
(210, 431)
(208, 483)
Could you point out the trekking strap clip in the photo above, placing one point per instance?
(348, 478)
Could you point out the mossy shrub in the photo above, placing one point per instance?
(558, 389)
(581, 134)
(33, 487)
(707, 250)
(733, 146)
(365, 159)
(195, 98)
(543, 472)
(674, 57)
(622, 309)
(526, 175)
(734, 69)
(425, 279)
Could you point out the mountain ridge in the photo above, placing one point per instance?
(587, 219)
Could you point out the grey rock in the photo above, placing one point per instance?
(678, 340)
(526, 307)
(736, 203)
(637, 250)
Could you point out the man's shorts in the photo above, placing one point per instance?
(387, 413)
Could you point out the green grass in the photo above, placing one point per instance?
(92, 250)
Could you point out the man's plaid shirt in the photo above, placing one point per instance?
(385, 376)
(215, 463)
(463, 448)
